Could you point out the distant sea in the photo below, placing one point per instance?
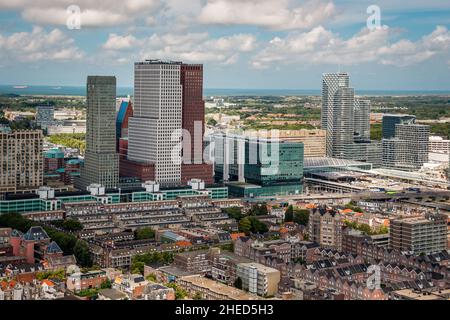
(124, 91)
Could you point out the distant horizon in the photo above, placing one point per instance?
(76, 90)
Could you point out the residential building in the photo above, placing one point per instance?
(212, 290)
(193, 261)
(155, 291)
(325, 228)
(21, 160)
(346, 121)
(419, 234)
(101, 164)
(258, 279)
(334, 119)
(79, 281)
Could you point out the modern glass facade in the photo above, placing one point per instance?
(390, 120)
(260, 166)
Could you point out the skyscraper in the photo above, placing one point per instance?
(155, 130)
(346, 121)
(362, 120)
(390, 120)
(193, 124)
(331, 83)
(101, 164)
(167, 128)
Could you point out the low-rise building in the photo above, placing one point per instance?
(79, 281)
(259, 279)
(212, 290)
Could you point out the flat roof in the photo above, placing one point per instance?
(219, 288)
(331, 162)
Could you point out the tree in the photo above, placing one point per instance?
(211, 122)
(235, 213)
(259, 209)
(258, 226)
(72, 225)
(238, 283)
(289, 214)
(245, 225)
(137, 267)
(151, 277)
(252, 225)
(145, 233)
(301, 216)
(81, 252)
(179, 293)
(197, 296)
(106, 284)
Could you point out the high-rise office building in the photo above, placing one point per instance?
(193, 124)
(154, 133)
(408, 149)
(259, 165)
(362, 120)
(417, 138)
(167, 127)
(21, 160)
(420, 234)
(101, 163)
(390, 120)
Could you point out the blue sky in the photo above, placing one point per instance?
(279, 44)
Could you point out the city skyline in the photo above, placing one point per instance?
(289, 48)
(132, 178)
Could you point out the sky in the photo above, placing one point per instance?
(248, 44)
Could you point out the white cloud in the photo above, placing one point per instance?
(93, 13)
(189, 47)
(117, 42)
(320, 46)
(273, 14)
(39, 45)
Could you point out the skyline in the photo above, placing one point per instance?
(287, 48)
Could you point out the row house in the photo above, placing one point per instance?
(391, 272)
(349, 289)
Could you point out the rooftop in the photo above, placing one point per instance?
(219, 288)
